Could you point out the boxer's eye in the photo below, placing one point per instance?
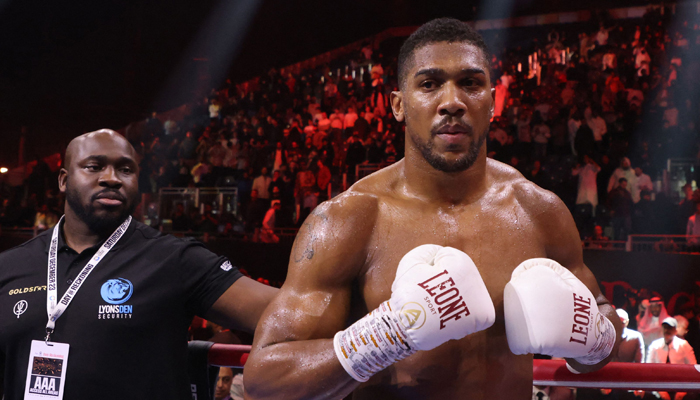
(428, 84)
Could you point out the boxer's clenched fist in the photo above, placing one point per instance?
(437, 295)
(550, 311)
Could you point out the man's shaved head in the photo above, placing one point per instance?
(101, 134)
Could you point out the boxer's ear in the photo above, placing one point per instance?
(397, 105)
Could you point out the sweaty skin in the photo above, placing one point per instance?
(346, 254)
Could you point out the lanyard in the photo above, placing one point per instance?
(54, 309)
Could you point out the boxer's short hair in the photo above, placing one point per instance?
(438, 30)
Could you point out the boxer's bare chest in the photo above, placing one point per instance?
(497, 237)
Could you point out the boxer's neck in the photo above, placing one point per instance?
(424, 181)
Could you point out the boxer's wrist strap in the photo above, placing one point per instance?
(372, 343)
(604, 335)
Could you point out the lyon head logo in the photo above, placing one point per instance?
(117, 291)
(412, 315)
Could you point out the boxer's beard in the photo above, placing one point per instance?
(104, 224)
(440, 162)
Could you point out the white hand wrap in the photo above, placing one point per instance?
(373, 343)
(438, 295)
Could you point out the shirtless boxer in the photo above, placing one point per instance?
(444, 192)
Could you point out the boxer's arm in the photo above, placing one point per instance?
(293, 356)
(241, 305)
(563, 244)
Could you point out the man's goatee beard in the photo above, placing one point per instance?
(102, 225)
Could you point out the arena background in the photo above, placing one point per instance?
(77, 66)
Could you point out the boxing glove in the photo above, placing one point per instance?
(550, 311)
(437, 295)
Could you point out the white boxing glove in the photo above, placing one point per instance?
(550, 311)
(437, 295)
(444, 285)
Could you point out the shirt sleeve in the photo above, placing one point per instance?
(689, 354)
(256, 184)
(651, 355)
(204, 275)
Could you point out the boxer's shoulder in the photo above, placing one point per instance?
(336, 234)
(531, 198)
(546, 212)
(355, 206)
(380, 184)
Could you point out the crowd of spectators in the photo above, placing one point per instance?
(592, 117)
(598, 116)
(285, 141)
(589, 111)
(653, 334)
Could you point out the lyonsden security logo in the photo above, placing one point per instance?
(413, 314)
(116, 292)
(226, 266)
(20, 307)
(46, 376)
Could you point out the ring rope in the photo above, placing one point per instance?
(615, 375)
(228, 355)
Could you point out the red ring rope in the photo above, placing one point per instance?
(228, 355)
(660, 377)
(620, 376)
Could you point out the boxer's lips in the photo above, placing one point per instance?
(453, 133)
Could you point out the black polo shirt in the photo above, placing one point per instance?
(126, 326)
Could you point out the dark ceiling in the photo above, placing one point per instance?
(72, 66)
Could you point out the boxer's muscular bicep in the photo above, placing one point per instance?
(563, 244)
(315, 299)
(293, 340)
